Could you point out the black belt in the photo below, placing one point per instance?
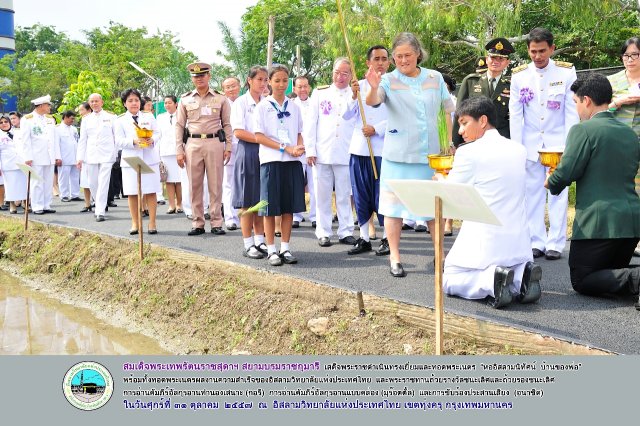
(202, 136)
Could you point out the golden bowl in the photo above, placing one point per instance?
(440, 163)
(143, 133)
(550, 157)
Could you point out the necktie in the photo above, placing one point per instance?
(135, 118)
(491, 85)
(170, 118)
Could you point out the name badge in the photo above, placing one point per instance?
(205, 110)
(283, 136)
(553, 105)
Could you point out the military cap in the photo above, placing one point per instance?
(198, 68)
(499, 47)
(42, 100)
(481, 65)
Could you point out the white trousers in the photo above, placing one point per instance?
(42, 190)
(186, 193)
(230, 214)
(69, 181)
(312, 194)
(99, 177)
(325, 176)
(536, 198)
(477, 283)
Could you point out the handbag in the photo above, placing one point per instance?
(164, 172)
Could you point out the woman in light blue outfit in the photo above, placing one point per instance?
(413, 96)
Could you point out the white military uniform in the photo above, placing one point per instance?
(327, 137)
(68, 173)
(125, 134)
(495, 166)
(543, 122)
(15, 182)
(167, 145)
(97, 150)
(39, 146)
(230, 214)
(306, 169)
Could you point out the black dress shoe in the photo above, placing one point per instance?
(502, 280)
(162, 202)
(39, 212)
(232, 227)
(313, 224)
(145, 213)
(85, 209)
(253, 253)
(207, 216)
(111, 204)
(350, 240)
(537, 253)
(406, 227)
(152, 231)
(196, 231)
(49, 210)
(552, 255)
(397, 270)
(295, 224)
(217, 230)
(448, 233)
(361, 246)
(334, 218)
(133, 232)
(76, 199)
(420, 228)
(2, 207)
(324, 242)
(65, 199)
(278, 234)
(530, 290)
(383, 249)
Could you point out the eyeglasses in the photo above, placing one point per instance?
(631, 56)
(342, 74)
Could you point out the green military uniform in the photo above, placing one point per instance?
(477, 84)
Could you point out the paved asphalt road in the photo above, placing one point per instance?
(607, 323)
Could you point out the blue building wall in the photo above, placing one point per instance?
(7, 47)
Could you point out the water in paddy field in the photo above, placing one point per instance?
(32, 323)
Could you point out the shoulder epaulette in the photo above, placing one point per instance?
(48, 116)
(186, 94)
(519, 68)
(108, 112)
(323, 87)
(28, 116)
(564, 64)
(122, 114)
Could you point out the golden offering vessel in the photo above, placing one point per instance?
(441, 163)
(550, 157)
(143, 133)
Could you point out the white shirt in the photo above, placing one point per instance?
(97, 141)
(234, 142)
(125, 133)
(268, 123)
(67, 139)
(167, 126)
(327, 135)
(9, 153)
(495, 167)
(376, 117)
(242, 111)
(546, 119)
(39, 140)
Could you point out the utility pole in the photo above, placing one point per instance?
(272, 25)
(298, 60)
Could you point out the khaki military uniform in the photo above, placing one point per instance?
(204, 151)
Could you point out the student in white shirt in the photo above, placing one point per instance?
(278, 128)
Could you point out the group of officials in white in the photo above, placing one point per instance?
(331, 145)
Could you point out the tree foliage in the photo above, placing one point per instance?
(46, 61)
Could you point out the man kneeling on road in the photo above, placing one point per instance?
(488, 261)
(601, 156)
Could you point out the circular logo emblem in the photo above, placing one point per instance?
(87, 385)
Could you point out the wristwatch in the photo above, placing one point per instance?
(282, 146)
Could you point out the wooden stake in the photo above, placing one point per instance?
(439, 261)
(26, 202)
(140, 208)
(353, 73)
